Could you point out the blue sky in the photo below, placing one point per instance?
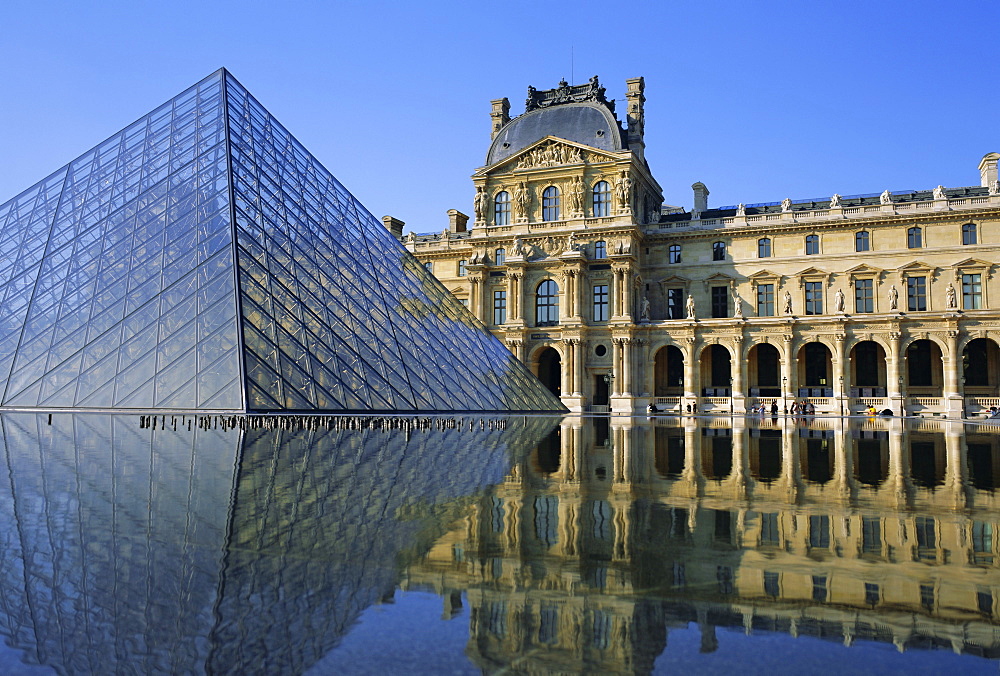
(758, 100)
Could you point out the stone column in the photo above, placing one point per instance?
(955, 471)
(894, 371)
(616, 361)
(627, 367)
(788, 378)
(567, 371)
(739, 376)
(898, 467)
(476, 296)
(578, 373)
(840, 375)
(950, 366)
(691, 381)
(514, 296)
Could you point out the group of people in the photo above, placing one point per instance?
(763, 409)
(803, 408)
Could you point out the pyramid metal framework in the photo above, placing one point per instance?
(202, 259)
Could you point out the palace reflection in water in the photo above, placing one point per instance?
(578, 545)
(612, 534)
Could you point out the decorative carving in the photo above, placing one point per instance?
(517, 249)
(939, 193)
(835, 201)
(786, 205)
(893, 298)
(690, 307)
(995, 187)
(481, 204)
(737, 304)
(951, 296)
(576, 198)
(623, 191)
(644, 309)
(522, 202)
(550, 155)
(885, 197)
(788, 303)
(566, 93)
(741, 210)
(838, 301)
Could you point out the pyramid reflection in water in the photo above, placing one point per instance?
(201, 258)
(207, 551)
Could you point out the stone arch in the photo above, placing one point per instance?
(867, 366)
(763, 362)
(716, 366)
(668, 371)
(980, 366)
(547, 365)
(814, 367)
(924, 367)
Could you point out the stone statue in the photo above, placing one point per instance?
(786, 205)
(788, 302)
(893, 298)
(741, 209)
(517, 248)
(521, 201)
(482, 204)
(690, 307)
(623, 191)
(838, 301)
(835, 201)
(952, 298)
(995, 188)
(737, 304)
(571, 243)
(939, 193)
(576, 197)
(644, 309)
(885, 197)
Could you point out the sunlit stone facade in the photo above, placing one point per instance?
(616, 300)
(616, 532)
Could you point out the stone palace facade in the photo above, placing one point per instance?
(616, 300)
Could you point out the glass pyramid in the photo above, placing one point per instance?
(202, 259)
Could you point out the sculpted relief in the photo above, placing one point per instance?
(554, 154)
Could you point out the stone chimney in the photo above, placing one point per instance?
(988, 169)
(393, 225)
(636, 116)
(457, 221)
(500, 115)
(700, 197)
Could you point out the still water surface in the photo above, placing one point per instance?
(499, 545)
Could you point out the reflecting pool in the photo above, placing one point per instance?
(488, 545)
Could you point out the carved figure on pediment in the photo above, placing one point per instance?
(517, 248)
(576, 197)
(939, 193)
(481, 204)
(788, 303)
(885, 197)
(690, 307)
(893, 297)
(835, 201)
(741, 209)
(786, 204)
(522, 201)
(952, 297)
(838, 301)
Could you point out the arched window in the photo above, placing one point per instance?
(914, 238)
(718, 251)
(550, 204)
(812, 245)
(861, 241)
(501, 208)
(969, 233)
(602, 199)
(674, 253)
(764, 247)
(500, 257)
(600, 249)
(547, 304)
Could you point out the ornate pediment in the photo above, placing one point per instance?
(550, 151)
(763, 277)
(863, 270)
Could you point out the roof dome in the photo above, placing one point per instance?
(589, 123)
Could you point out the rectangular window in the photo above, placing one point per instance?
(772, 584)
(499, 307)
(720, 301)
(916, 294)
(871, 535)
(914, 238)
(765, 300)
(764, 247)
(819, 531)
(429, 266)
(769, 535)
(814, 298)
(601, 303)
(464, 302)
(461, 268)
(864, 300)
(972, 292)
(819, 588)
(675, 303)
(872, 594)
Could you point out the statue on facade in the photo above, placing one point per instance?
(995, 188)
(690, 307)
(576, 197)
(522, 201)
(835, 201)
(737, 304)
(893, 298)
(838, 301)
(939, 193)
(623, 191)
(885, 197)
(644, 310)
(517, 248)
(952, 297)
(481, 205)
(741, 209)
(788, 303)
(571, 243)
(786, 205)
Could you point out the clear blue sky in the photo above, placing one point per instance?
(759, 100)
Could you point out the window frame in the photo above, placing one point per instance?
(970, 234)
(718, 251)
(675, 310)
(547, 313)
(600, 250)
(764, 244)
(860, 284)
(674, 255)
(599, 302)
(862, 241)
(462, 267)
(766, 298)
(972, 290)
(719, 301)
(600, 200)
(499, 307)
(915, 237)
(551, 204)
(921, 282)
(813, 290)
(501, 208)
(500, 256)
(812, 245)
